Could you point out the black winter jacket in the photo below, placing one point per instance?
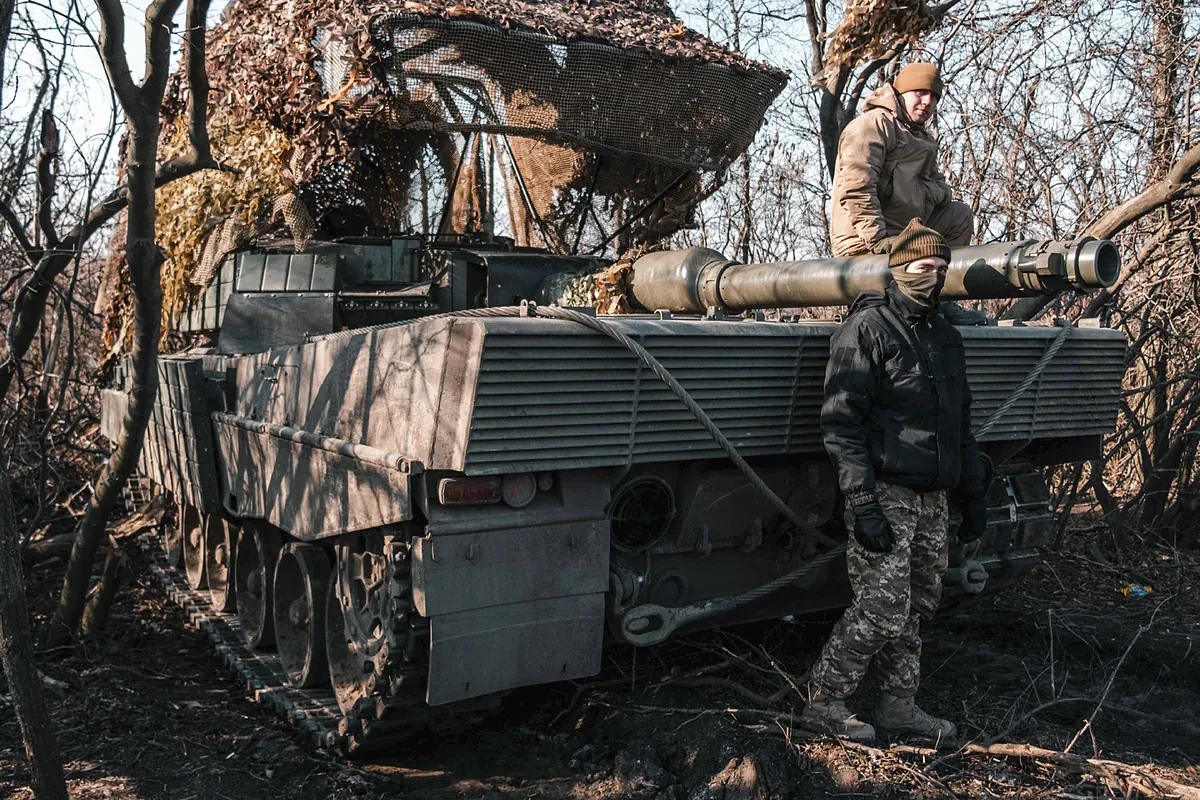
(897, 405)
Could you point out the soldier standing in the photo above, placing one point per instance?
(896, 422)
(887, 170)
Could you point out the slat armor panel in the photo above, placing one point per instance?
(178, 449)
(546, 401)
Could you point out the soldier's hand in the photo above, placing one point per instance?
(871, 528)
(974, 519)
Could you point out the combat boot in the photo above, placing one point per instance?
(901, 715)
(825, 714)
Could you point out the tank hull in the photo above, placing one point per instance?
(478, 500)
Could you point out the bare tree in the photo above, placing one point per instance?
(16, 646)
(141, 103)
(49, 253)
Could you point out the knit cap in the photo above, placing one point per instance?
(919, 75)
(915, 242)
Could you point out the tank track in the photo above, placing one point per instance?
(394, 712)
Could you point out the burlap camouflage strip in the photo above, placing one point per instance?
(893, 592)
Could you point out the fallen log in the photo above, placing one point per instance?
(1125, 778)
(59, 545)
(1128, 779)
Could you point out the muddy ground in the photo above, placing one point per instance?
(151, 713)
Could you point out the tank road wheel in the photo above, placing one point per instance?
(194, 548)
(218, 563)
(186, 518)
(254, 561)
(349, 671)
(355, 636)
(301, 587)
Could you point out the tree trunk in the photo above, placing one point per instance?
(16, 648)
(28, 310)
(16, 644)
(100, 598)
(144, 259)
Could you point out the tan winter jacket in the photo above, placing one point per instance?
(886, 174)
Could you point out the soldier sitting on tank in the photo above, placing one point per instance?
(887, 170)
(887, 174)
(896, 423)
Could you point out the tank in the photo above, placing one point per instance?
(402, 490)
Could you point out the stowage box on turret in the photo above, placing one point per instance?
(404, 493)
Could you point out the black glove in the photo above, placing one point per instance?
(971, 501)
(974, 519)
(871, 528)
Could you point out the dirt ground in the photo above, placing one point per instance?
(152, 713)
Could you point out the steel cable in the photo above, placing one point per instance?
(1038, 368)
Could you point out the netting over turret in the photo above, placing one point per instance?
(576, 125)
(468, 76)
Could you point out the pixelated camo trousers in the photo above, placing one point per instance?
(893, 592)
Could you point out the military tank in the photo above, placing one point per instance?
(404, 487)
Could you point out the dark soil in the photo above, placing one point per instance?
(150, 712)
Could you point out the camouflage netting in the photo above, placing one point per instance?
(593, 121)
(870, 29)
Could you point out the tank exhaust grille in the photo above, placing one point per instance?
(640, 512)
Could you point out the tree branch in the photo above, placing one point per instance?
(47, 180)
(860, 85)
(1177, 182)
(158, 46)
(32, 252)
(112, 50)
(194, 54)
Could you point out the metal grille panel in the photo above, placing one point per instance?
(576, 400)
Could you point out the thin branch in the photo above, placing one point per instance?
(32, 252)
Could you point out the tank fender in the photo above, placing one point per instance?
(310, 486)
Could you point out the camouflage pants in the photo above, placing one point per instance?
(954, 221)
(893, 592)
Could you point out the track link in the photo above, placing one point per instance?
(395, 712)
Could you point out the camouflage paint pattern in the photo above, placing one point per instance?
(893, 592)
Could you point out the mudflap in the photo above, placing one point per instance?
(511, 607)
(488, 650)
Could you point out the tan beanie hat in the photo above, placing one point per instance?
(915, 242)
(919, 75)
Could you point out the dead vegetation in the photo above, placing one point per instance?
(1063, 685)
(1066, 686)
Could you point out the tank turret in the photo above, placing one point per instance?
(696, 279)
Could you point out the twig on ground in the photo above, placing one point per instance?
(1121, 777)
(1032, 713)
(792, 682)
(728, 685)
(1113, 675)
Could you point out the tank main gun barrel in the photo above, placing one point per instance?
(696, 279)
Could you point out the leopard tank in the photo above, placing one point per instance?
(404, 487)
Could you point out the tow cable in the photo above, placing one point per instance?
(649, 624)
